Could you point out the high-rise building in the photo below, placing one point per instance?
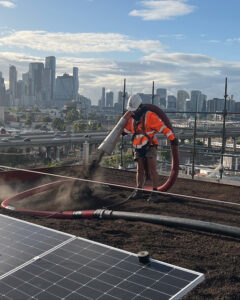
(171, 102)
(109, 99)
(120, 97)
(75, 83)
(12, 84)
(195, 97)
(64, 91)
(2, 91)
(182, 96)
(36, 77)
(50, 63)
(103, 101)
(215, 104)
(46, 87)
(120, 100)
(202, 103)
(162, 93)
(21, 92)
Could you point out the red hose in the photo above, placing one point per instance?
(174, 149)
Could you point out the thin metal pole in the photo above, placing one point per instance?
(194, 142)
(123, 110)
(153, 92)
(124, 96)
(223, 130)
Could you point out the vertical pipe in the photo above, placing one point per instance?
(153, 92)
(194, 141)
(123, 111)
(223, 130)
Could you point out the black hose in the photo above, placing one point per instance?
(170, 221)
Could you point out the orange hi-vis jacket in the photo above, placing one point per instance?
(145, 129)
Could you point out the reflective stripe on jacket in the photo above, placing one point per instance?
(145, 130)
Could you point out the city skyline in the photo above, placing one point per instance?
(180, 45)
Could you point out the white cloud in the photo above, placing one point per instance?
(7, 4)
(170, 70)
(214, 41)
(60, 42)
(231, 40)
(177, 36)
(162, 10)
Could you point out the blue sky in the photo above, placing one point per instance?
(178, 44)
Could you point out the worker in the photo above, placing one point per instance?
(143, 125)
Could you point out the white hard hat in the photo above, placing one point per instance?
(134, 102)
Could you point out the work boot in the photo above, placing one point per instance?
(136, 194)
(153, 197)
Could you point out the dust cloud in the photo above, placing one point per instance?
(72, 194)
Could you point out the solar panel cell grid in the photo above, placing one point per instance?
(75, 268)
(21, 242)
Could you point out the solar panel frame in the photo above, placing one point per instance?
(79, 265)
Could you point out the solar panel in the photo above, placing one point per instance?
(22, 241)
(81, 269)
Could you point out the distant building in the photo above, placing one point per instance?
(75, 83)
(35, 82)
(64, 90)
(12, 84)
(171, 103)
(202, 103)
(103, 102)
(50, 63)
(2, 91)
(21, 92)
(109, 99)
(119, 103)
(215, 104)
(182, 96)
(231, 105)
(2, 114)
(84, 106)
(46, 87)
(195, 97)
(162, 93)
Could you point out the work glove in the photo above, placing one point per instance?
(174, 142)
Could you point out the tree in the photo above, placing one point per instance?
(95, 126)
(58, 124)
(113, 161)
(79, 127)
(72, 115)
(29, 118)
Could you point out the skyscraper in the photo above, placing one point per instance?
(162, 93)
(21, 92)
(182, 96)
(172, 102)
(64, 89)
(12, 84)
(109, 99)
(75, 83)
(46, 87)
(103, 103)
(36, 77)
(2, 91)
(50, 63)
(195, 96)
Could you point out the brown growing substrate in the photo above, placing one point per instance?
(217, 256)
